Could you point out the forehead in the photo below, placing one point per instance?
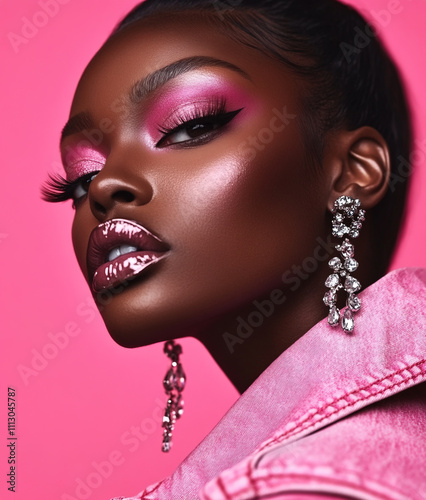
(152, 43)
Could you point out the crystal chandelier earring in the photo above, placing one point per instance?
(173, 383)
(347, 222)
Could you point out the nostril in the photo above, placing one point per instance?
(124, 196)
(99, 208)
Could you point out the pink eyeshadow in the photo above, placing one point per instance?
(196, 91)
(81, 159)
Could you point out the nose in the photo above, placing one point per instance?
(115, 193)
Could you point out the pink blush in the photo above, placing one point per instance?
(81, 159)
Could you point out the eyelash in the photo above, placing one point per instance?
(213, 114)
(58, 189)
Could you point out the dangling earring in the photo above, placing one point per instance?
(348, 208)
(173, 383)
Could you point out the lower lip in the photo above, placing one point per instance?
(123, 268)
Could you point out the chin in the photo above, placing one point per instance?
(131, 337)
(126, 342)
(130, 330)
(133, 322)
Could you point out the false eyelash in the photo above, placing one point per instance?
(214, 108)
(57, 189)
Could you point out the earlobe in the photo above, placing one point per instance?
(362, 166)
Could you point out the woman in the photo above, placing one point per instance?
(211, 151)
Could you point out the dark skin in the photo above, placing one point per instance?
(239, 203)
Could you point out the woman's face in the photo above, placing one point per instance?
(208, 157)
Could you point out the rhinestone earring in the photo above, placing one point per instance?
(347, 222)
(173, 383)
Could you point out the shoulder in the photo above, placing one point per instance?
(376, 453)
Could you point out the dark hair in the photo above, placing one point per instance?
(349, 85)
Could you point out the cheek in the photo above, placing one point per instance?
(262, 186)
(241, 172)
(239, 214)
(205, 199)
(258, 208)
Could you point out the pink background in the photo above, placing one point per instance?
(77, 404)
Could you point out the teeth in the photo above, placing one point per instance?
(121, 250)
(113, 254)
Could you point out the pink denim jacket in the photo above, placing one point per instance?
(336, 416)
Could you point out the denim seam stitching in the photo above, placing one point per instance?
(306, 421)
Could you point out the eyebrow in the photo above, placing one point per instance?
(150, 83)
(77, 123)
(158, 78)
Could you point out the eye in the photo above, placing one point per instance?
(80, 188)
(195, 131)
(58, 189)
(196, 124)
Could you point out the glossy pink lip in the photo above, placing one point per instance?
(111, 235)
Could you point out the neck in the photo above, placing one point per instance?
(248, 340)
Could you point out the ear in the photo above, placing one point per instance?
(360, 166)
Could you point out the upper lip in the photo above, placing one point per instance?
(115, 232)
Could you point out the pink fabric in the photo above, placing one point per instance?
(364, 384)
